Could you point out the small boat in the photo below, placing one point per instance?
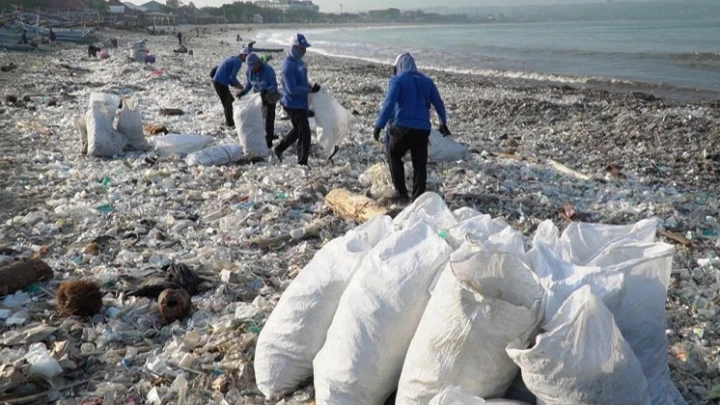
(14, 46)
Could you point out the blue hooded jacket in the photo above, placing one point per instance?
(263, 80)
(409, 98)
(295, 83)
(228, 70)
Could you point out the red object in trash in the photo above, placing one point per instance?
(157, 73)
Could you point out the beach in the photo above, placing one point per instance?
(538, 151)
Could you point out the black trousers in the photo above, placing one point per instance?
(269, 112)
(300, 133)
(403, 140)
(223, 91)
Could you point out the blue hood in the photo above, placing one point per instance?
(405, 63)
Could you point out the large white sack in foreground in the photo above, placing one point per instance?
(583, 359)
(581, 242)
(366, 344)
(130, 124)
(181, 144)
(250, 124)
(459, 396)
(216, 156)
(296, 329)
(642, 318)
(444, 148)
(333, 120)
(429, 208)
(483, 301)
(103, 139)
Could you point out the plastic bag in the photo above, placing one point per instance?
(333, 120)
(110, 101)
(251, 125)
(130, 124)
(216, 156)
(103, 139)
(181, 144)
(295, 331)
(366, 344)
(459, 396)
(444, 148)
(483, 301)
(583, 359)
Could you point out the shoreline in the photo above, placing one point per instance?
(640, 158)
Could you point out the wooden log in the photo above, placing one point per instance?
(310, 231)
(17, 276)
(352, 206)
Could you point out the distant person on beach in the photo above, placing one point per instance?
(224, 76)
(295, 99)
(179, 37)
(53, 38)
(406, 112)
(239, 38)
(261, 79)
(23, 38)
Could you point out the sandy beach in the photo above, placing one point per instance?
(632, 156)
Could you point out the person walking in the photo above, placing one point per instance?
(179, 37)
(295, 100)
(261, 79)
(224, 76)
(53, 38)
(407, 111)
(23, 38)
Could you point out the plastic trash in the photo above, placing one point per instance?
(333, 120)
(445, 148)
(172, 144)
(295, 331)
(41, 361)
(250, 125)
(216, 156)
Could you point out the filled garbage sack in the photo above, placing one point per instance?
(444, 148)
(459, 396)
(250, 124)
(81, 127)
(485, 299)
(333, 120)
(295, 331)
(130, 124)
(377, 317)
(582, 358)
(429, 208)
(180, 144)
(102, 139)
(110, 101)
(216, 156)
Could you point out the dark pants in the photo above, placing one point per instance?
(223, 91)
(269, 112)
(403, 140)
(300, 133)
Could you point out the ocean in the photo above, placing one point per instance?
(680, 58)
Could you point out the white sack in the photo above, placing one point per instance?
(581, 242)
(172, 144)
(459, 396)
(333, 120)
(583, 359)
(103, 140)
(250, 124)
(81, 126)
(366, 344)
(110, 101)
(130, 124)
(642, 318)
(295, 331)
(429, 208)
(216, 156)
(444, 148)
(483, 301)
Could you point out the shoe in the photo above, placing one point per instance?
(277, 155)
(395, 199)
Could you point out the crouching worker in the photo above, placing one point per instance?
(407, 106)
(224, 76)
(261, 79)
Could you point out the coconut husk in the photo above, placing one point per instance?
(78, 297)
(174, 305)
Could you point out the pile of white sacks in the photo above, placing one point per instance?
(99, 137)
(444, 307)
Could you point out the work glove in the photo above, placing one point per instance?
(376, 134)
(315, 88)
(240, 95)
(444, 130)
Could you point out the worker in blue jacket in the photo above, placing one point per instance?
(407, 107)
(224, 76)
(261, 79)
(295, 99)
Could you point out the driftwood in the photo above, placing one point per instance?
(19, 275)
(566, 170)
(676, 238)
(310, 231)
(352, 206)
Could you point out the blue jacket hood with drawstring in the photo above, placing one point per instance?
(410, 95)
(263, 80)
(228, 70)
(295, 83)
